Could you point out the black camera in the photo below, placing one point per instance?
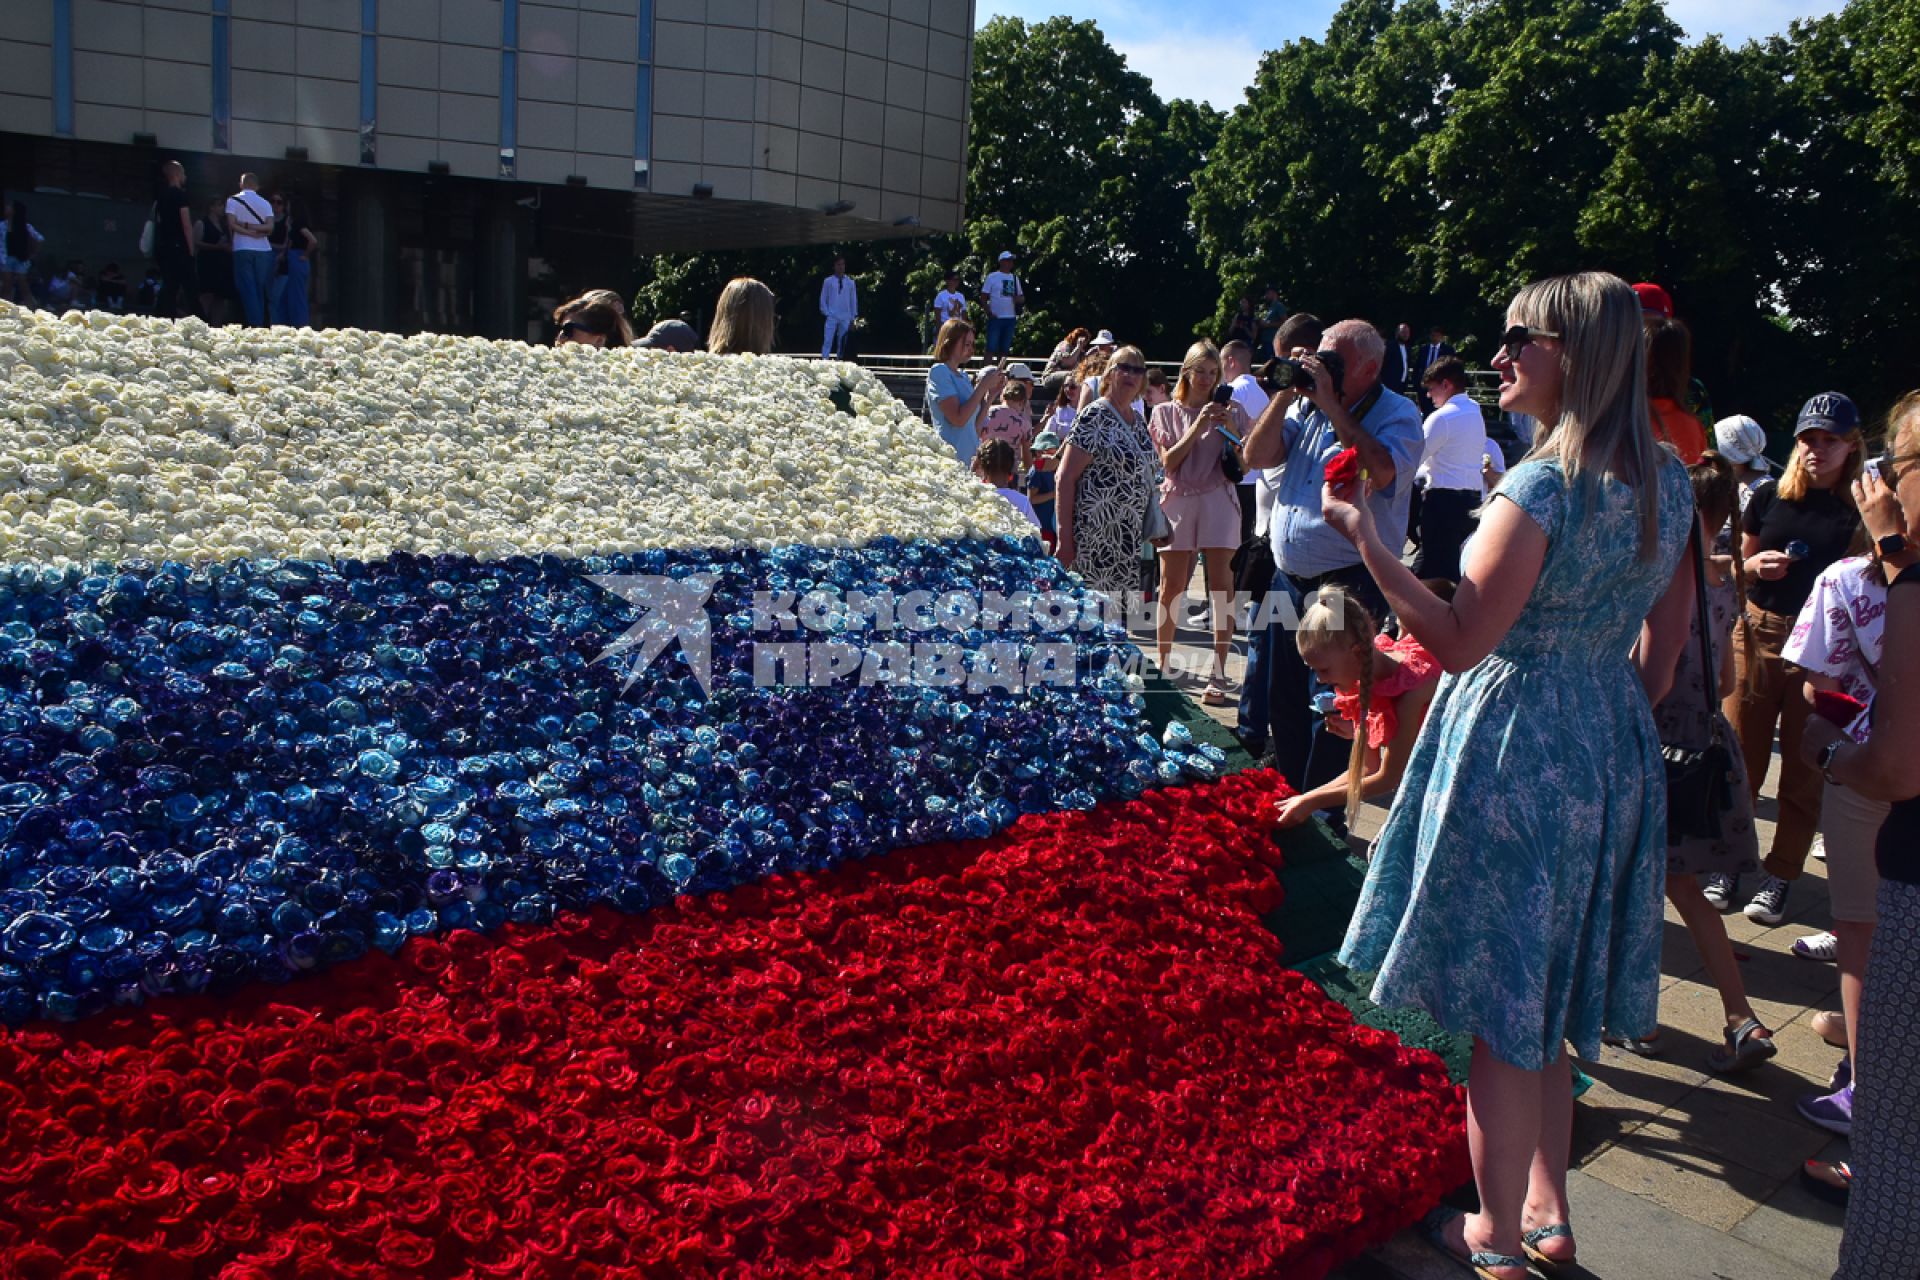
(1287, 374)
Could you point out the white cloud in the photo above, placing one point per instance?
(1213, 71)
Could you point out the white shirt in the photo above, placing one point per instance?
(1456, 443)
(1001, 288)
(839, 300)
(950, 304)
(1020, 504)
(1252, 399)
(253, 207)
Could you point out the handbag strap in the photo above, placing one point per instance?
(1707, 680)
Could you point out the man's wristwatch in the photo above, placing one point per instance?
(1827, 753)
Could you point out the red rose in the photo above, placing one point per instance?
(1343, 468)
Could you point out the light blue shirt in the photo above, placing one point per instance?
(962, 437)
(1303, 545)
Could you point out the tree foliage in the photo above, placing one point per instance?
(1421, 162)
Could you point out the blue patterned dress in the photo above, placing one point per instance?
(1515, 893)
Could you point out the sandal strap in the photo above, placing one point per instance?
(1737, 1036)
(1552, 1231)
(1488, 1258)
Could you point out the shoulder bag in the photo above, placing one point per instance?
(1700, 781)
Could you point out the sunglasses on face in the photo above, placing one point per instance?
(572, 327)
(1137, 370)
(1520, 336)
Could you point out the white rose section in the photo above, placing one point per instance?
(300, 652)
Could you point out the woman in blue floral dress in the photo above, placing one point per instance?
(1515, 893)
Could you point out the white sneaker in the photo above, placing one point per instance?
(1820, 847)
(1817, 946)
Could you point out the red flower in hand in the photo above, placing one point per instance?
(1343, 468)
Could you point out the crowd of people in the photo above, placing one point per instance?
(246, 256)
(1569, 677)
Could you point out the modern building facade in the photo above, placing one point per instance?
(457, 152)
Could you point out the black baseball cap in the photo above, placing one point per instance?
(1828, 411)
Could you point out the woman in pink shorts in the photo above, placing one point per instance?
(1195, 438)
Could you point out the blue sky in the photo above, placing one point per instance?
(1209, 51)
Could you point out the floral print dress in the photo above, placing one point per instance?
(1110, 504)
(1515, 892)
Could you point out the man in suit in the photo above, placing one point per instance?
(1396, 369)
(1436, 347)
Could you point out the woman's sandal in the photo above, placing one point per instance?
(1434, 1229)
(1531, 1240)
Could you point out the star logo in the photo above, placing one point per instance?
(669, 609)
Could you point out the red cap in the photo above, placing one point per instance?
(1654, 298)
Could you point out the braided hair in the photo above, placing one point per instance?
(1339, 620)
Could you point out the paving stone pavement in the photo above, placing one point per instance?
(1679, 1173)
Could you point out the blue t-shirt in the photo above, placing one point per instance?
(963, 437)
(1039, 485)
(1303, 544)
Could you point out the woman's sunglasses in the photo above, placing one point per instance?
(1137, 370)
(572, 327)
(1520, 336)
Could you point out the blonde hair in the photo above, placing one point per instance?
(1794, 484)
(743, 319)
(1903, 429)
(1197, 354)
(1903, 446)
(950, 334)
(1336, 619)
(1603, 429)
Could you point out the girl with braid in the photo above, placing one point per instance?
(1381, 689)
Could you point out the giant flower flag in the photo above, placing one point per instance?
(474, 809)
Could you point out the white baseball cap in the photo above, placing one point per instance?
(1741, 441)
(1103, 339)
(1019, 372)
(1006, 254)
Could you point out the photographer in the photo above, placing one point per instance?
(1341, 405)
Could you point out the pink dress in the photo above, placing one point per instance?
(1413, 667)
(1198, 499)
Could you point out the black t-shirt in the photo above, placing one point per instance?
(1824, 521)
(1897, 852)
(168, 235)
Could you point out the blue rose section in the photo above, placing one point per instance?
(214, 775)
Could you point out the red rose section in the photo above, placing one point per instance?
(1343, 468)
(1068, 1050)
